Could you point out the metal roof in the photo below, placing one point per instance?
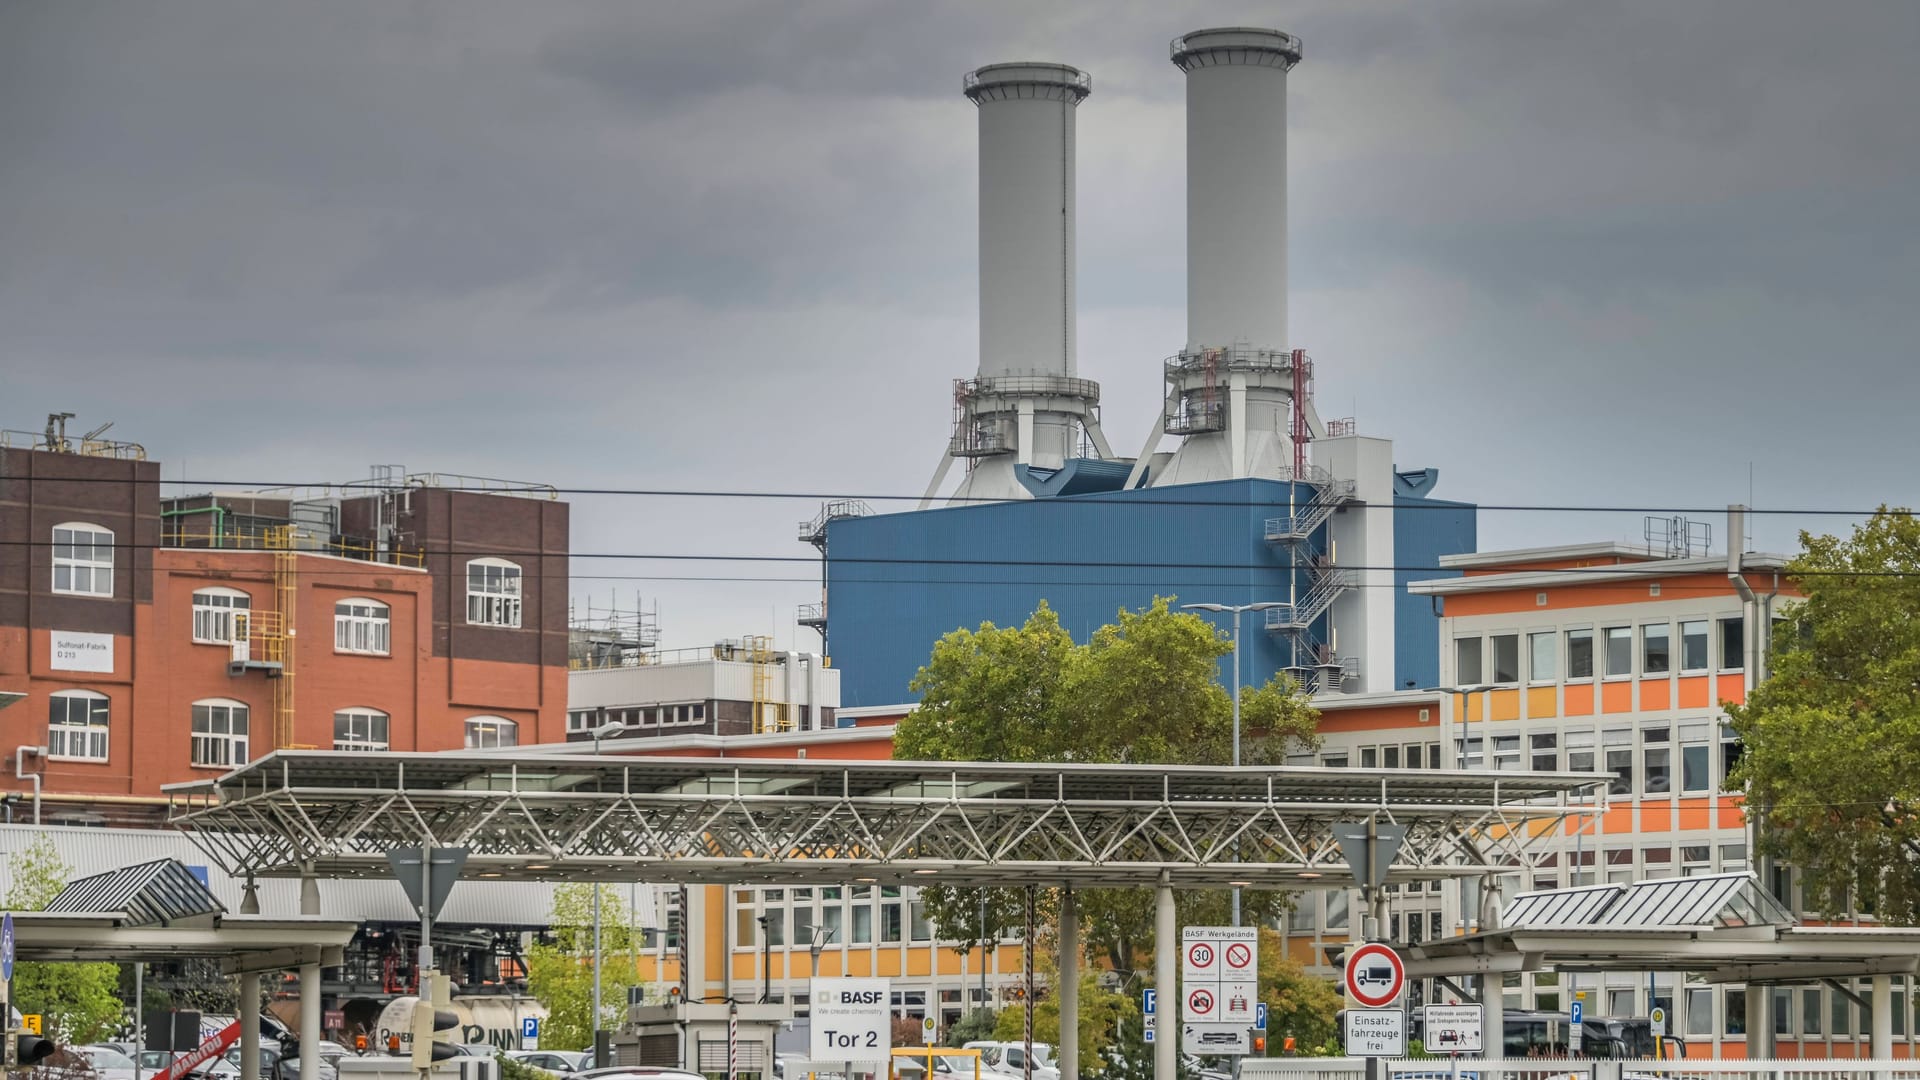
(1711, 900)
(1724, 927)
(161, 892)
(243, 942)
(666, 820)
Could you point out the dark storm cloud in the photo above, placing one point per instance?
(1566, 251)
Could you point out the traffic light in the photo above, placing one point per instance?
(428, 1025)
(25, 1051)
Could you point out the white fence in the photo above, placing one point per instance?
(1576, 1069)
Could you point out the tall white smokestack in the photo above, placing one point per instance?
(1231, 388)
(1026, 405)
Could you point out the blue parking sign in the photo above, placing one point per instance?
(1575, 1017)
(1148, 998)
(530, 1027)
(1260, 1016)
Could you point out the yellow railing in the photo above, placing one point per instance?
(229, 540)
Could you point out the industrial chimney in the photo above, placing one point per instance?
(1025, 405)
(1232, 390)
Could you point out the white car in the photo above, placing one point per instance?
(108, 1063)
(1010, 1058)
(558, 1062)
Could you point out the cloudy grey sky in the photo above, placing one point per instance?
(1569, 253)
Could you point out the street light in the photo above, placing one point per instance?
(1235, 610)
(817, 938)
(1466, 705)
(766, 960)
(605, 731)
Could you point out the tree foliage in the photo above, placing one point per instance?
(560, 968)
(1299, 1006)
(1831, 741)
(1144, 689)
(80, 1003)
(1102, 1012)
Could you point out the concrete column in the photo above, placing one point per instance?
(1882, 1017)
(1493, 1015)
(250, 1026)
(1166, 949)
(309, 1022)
(1069, 991)
(309, 895)
(1757, 1027)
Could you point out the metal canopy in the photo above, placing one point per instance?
(1724, 927)
(668, 820)
(243, 942)
(162, 892)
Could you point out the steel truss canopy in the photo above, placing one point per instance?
(1724, 927)
(693, 821)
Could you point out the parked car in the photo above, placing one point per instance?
(1009, 1058)
(108, 1063)
(637, 1072)
(155, 1062)
(558, 1062)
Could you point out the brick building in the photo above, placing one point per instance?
(155, 639)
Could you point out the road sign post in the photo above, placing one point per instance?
(1574, 1016)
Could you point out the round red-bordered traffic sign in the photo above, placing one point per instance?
(1200, 954)
(1200, 1002)
(1375, 975)
(1239, 956)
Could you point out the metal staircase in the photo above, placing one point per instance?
(1312, 662)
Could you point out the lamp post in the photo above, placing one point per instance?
(1235, 609)
(605, 731)
(817, 938)
(1466, 705)
(766, 960)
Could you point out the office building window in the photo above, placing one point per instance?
(581, 721)
(219, 733)
(1729, 752)
(1693, 645)
(1655, 654)
(862, 919)
(1811, 1014)
(486, 732)
(1389, 757)
(359, 729)
(1656, 760)
(1466, 661)
(1506, 658)
(213, 610)
(1700, 1010)
(1580, 751)
(77, 726)
(362, 626)
(1619, 746)
(1619, 651)
(1336, 909)
(1733, 644)
(1695, 860)
(1542, 657)
(82, 559)
(1580, 654)
(1696, 771)
(1546, 757)
(493, 593)
(1506, 752)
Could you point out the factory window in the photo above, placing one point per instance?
(359, 729)
(1506, 658)
(362, 626)
(1466, 660)
(1619, 651)
(1693, 645)
(1543, 666)
(77, 726)
(1733, 637)
(1335, 760)
(1656, 758)
(1580, 654)
(219, 732)
(1655, 654)
(485, 732)
(581, 721)
(213, 621)
(493, 593)
(82, 559)
(1696, 773)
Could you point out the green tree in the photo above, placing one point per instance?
(1102, 1012)
(1299, 1006)
(1831, 741)
(80, 1002)
(1143, 689)
(560, 968)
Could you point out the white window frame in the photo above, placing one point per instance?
(365, 629)
(88, 740)
(369, 721)
(581, 721)
(485, 732)
(93, 568)
(221, 749)
(213, 609)
(496, 599)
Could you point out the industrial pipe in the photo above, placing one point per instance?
(19, 772)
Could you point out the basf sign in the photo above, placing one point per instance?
(852, 1020)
